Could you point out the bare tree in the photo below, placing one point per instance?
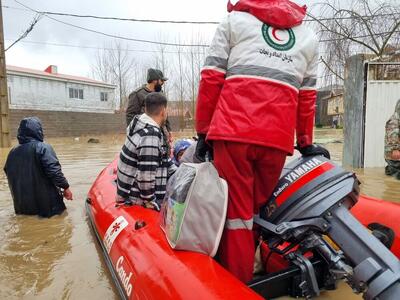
(115, 65)
(123, 67)
(139, 73)
(359, 26)
(160, 60)
(181, 87)
(101, 67)
(195, 58)
(182, 65)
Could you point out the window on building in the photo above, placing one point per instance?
(384, 71)
(103, 96)
(75, 93)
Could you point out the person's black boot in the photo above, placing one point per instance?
(388, 170)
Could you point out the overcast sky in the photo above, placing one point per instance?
(77, 61)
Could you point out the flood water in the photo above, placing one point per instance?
(56, 258)
(59, 258)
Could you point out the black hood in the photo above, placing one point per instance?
(30, 129)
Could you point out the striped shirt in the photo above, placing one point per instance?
(144, 165)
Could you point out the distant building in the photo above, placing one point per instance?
(67, 105)
(329, 106)
(336, 107)
(180, 114)
(49, 90)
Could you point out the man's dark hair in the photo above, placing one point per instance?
(154, 103)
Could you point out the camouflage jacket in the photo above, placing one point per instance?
(392, 134)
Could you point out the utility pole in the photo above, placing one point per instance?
(193, 95)
(121, 104)
(4, 111)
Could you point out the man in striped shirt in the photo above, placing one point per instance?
(144, 165)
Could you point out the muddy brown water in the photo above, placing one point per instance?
(59, 258)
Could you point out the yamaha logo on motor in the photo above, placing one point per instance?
(279, 39)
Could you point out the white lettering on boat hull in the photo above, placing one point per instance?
(125, 278)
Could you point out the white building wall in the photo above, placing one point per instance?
(27, 92)
(381, 100)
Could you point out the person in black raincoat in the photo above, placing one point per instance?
(34, 174)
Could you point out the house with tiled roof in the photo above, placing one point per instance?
(67, 105)
(50, 90)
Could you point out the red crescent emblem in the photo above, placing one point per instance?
(274, 34)
(116, 227)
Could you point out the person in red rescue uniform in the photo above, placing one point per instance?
(257, 90)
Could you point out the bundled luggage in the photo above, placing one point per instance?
(194, 209)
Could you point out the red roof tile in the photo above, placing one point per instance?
(58, 75)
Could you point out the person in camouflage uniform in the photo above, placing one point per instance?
(392, 143)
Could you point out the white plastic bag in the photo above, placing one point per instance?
(194, 209)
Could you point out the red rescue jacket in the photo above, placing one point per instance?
(258, 84)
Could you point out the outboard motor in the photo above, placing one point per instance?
(308, 212)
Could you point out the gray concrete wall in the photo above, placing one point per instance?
(64, 123)
(354, 89)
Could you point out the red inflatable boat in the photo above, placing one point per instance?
(144, 266)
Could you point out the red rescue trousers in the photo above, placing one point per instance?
(252, 173)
